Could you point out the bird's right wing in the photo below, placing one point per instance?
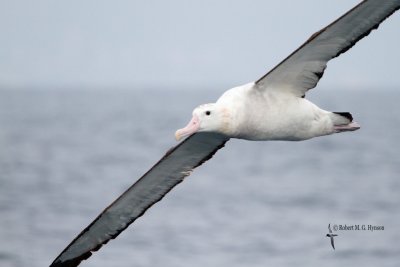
(178, 163)
(302, 69)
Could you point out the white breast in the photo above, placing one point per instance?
(271, 115)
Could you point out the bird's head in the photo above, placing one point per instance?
(206, 118)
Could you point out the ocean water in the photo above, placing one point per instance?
(65, 155)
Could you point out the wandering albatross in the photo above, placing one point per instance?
(271, 108)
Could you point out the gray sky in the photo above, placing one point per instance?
(135, 44)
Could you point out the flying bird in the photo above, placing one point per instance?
(331, 235)
(273, 107)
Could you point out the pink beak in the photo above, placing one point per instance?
(192, 127)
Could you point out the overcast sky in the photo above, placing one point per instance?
(136, 44)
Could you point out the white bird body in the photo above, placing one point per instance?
(271, 108)
(262, 115)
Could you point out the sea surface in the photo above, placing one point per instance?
(66, 154)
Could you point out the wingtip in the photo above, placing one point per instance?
(72, 262)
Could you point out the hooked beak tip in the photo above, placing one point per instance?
(178, 136)
(191, 128)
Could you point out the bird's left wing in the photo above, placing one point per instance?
(149, 189)
(302, 69)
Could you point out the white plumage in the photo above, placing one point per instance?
(252, 113)
(271, 108)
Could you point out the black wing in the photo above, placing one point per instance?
(178, 163)
(302, 70)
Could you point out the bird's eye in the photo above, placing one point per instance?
(208, 113)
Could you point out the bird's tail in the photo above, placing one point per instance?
(343, 122)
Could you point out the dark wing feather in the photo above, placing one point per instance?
(332, 243)
(302, 70)
(149, 189)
